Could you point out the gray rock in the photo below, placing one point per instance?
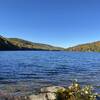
(51, 96)
(47, 93)
(41, 96)
(51, 89)
(14, 98)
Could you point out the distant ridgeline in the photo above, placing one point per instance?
(19, 44)
(94, 46)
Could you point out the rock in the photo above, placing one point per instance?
(46, 93)
(14, 98)
(51, 89)
(6, 96)
(41, 96)
(51, 96)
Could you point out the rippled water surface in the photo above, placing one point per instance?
(25, 71)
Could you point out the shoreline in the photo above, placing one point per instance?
(56, 93)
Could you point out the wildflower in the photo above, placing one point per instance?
(86, 92)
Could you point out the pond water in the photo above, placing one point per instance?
(27, 71)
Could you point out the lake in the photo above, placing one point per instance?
(27, 71)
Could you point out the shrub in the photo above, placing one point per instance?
(75, 92)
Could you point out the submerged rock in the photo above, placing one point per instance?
(14, 98)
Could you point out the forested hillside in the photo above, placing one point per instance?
(20, 44)
(94, 46)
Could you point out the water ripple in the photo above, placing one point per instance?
(40, 68)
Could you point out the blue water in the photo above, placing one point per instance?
(29, 70)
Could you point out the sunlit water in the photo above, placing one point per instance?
(27, 71)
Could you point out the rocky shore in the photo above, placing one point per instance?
(46, 93)
(73, 92)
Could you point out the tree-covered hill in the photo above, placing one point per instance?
(20, 44)
(94, 46)
(6, 45)
(30, 45)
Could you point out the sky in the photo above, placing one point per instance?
(62, 23)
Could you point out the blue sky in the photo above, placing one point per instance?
(57, 22)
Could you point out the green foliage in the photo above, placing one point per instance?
(75, 92)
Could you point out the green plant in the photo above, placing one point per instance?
(75, 92)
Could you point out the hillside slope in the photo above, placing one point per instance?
(20, 44)
(94, 46)
(23, 44)
(6, 45)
